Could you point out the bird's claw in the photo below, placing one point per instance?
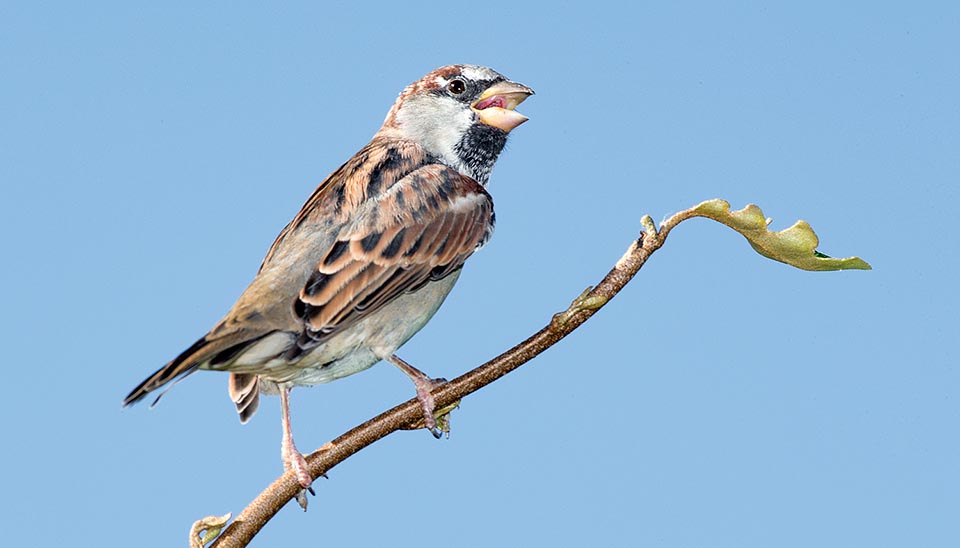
(436, 421)
(295, 461)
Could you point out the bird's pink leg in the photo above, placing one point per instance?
(292, 458)
(424, 386)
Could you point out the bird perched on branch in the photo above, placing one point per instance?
(371, 255)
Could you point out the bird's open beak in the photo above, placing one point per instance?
(495, 106)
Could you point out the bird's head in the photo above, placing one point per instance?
(461, 114)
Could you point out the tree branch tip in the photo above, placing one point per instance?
(207, 529)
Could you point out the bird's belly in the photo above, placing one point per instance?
(368, 341)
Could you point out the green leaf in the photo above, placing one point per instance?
(795, 246)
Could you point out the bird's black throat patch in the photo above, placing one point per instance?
(479, 149)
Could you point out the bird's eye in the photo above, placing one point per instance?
(456, 87)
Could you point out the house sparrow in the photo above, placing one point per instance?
(371, 255)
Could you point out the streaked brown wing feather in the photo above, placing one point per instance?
(426, 225)
(376, 166)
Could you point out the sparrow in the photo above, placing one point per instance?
(370, 257)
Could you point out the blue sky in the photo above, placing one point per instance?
(149, 154)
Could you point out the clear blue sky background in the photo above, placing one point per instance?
(149, 155)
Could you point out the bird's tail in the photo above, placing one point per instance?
(208, 350)
(181, 366)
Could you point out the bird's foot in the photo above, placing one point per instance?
(434, 420)
(294, 460)
(438, 423)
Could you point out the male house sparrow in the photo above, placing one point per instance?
(371, 255)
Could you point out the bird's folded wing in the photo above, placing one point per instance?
(421, 228)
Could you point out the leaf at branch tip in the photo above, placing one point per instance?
(795, 246)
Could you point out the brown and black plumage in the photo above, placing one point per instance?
(371, 255)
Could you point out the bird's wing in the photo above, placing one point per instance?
(421, 228)
(399, 223)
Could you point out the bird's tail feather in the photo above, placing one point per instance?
(206, 350)
(245, 393)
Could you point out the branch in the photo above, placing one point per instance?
(795, 246)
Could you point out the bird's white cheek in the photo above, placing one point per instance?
(442, 140)
(438, 124)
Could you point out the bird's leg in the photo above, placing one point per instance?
(424, 386)
(292, 458)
